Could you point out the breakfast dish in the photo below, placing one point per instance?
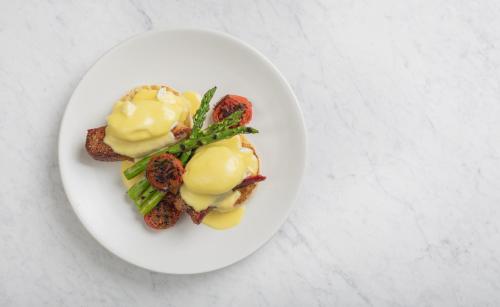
(188, 59)
(172, 164)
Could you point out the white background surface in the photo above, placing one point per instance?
(400, 205)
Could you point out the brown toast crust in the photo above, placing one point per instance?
(101, 151)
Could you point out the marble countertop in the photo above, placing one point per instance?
(400, 204)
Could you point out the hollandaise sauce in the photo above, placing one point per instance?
(224, 220)
(210, 176)
(143, 123)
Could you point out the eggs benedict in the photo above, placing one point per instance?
(172, 163)
(144, 119)
(211, 176)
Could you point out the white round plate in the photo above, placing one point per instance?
(186, 60)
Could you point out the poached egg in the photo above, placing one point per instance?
(210, 176)
(142, 123)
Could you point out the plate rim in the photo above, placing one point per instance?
(297, 110)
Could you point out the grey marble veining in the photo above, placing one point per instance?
(400, 204)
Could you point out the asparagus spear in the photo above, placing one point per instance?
(185, 157)
(191, 144)
(151, 202)
(187, 145)
(231, 120)
(139, 202)
(226, 123)
(198, 119)
(138, 188)
(201, 114)
(145, 196)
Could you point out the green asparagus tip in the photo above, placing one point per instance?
(251, 130)
(210, 93)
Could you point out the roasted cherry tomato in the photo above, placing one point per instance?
(231, 103)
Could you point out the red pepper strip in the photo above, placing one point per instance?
(249, 180)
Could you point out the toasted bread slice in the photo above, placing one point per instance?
(101, 151)
(197, 217)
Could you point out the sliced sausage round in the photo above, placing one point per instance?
(165, 214)
(164, 172)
